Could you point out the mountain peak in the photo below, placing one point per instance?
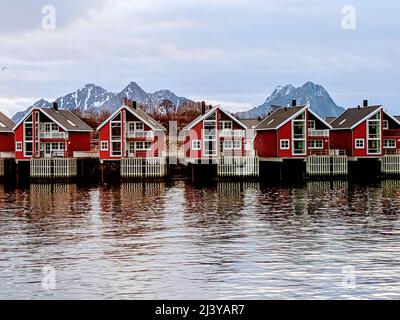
(310, 94)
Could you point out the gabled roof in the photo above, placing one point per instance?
(251, 123)
(209, 112)
(394, 118)
(140, 114)
(6, 124)
(329, 119)
(280, 117)
(64, 118)
(352, 117)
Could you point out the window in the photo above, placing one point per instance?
(359, 143)
(389, 144)
(232, 145)
(18, 146)
(311, 124)
(136, 126)
(374, 134)
(385, 124)
(50, 127)
(315, 144)
(116, 148)
(143, 145)
(225, 125)
(196, 145)
(285, 144)
(104, 146)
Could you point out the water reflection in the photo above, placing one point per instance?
(227, 240)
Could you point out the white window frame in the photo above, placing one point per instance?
(313, 124)
(312, 144)
(18, 146)
(284, 141)
(230, 145)
(359, 140)
(143, 145)
(196, 145)
(385, 124)
(223, 123)
(386, 146)
(104, 145)
(135, 126)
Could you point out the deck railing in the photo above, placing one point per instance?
(140, 134)
(226, 133)
(53, 168)
(53, 135)
(318, 133)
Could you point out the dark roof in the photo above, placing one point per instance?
(6, 124)
(67, 120)
(352, 116)
(251, 123)
(329, 119)
(278, 117)
(397, 117)
(147, 118)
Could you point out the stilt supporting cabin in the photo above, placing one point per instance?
(143, 167)
(50, 168)
(327, 165)
(238, 167)
(1, 167)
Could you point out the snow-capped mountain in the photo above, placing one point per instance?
(309, 94)
(93, 97)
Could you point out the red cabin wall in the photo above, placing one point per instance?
(285, 132)
(265, 143)
(7, 142)
(19, 137)
(78, 141)
(342, 140)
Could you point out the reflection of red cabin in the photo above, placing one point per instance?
(131, 133)
(292, 132)
(7, 141)
(215, 133)
(50, 132)
(359, 131)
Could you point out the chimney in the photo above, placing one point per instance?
(365, 103)
(358, 107)
(203, 107)
(259, 118)
(134, 104)
(285, 108)
(55, 106)
(294, 102)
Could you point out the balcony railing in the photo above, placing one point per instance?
(53, 135)
(226, 133)
(318, 133)
(140, 134)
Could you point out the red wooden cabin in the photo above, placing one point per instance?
(391, 134)
(7, 141)
(292, 132)
(50, 132)
(359, 131)
(215, 133)
(131, 133)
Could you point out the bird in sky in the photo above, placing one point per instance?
(3, 69)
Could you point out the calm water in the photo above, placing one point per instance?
(166, 241)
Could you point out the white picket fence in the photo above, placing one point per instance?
(53, 168)
(339, 165)
(318, 165)
(143, 167)
(326, 165)
(390, 164)
(1, 167)
(238, 166)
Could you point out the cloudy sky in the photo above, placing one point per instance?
(234, 52)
